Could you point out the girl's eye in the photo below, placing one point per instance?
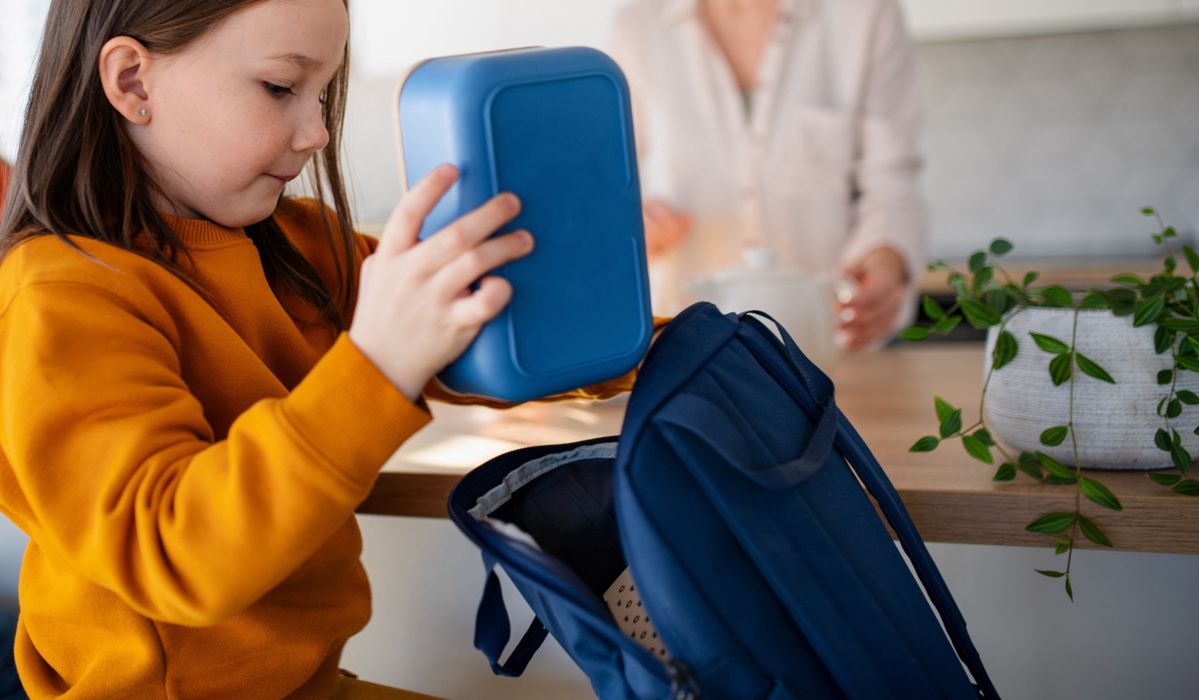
(277, 91)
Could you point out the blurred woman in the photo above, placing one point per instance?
(783, 131)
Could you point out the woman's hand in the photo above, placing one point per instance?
(665, 228)
(870, 313)
(416, 311)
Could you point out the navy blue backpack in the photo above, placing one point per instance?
(734, 496)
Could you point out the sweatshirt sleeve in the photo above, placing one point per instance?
(124, 481)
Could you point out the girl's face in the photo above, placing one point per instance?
(238, 113)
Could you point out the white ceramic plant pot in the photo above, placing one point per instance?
(1116, 423)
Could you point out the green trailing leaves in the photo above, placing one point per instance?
(1149, 310)
(1173, 409)
(979, 315)
(1055, 436)
(1028, 464)
(1187, 487)
(1049, 344)
(1099, 493)
(914, 333)
(943, 408)
(983, 278)
(932, 309)
(946, 325)
(1184, 325)
(1162, 439)
(928, 443)
(1187, 363)
(977, 449)
(1059, 369)
(1181, 458)
(1005, 349)
(1192, 258)
(1092, 532)
(1052, 524)
(1090, 368)
(1055, 467)
(1163, 340)
(987, 297)
(1165, 479)
(951, 424)
(1057, 296)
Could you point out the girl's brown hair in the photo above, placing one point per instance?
(77, 171)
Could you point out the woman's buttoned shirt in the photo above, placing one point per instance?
(823, 168)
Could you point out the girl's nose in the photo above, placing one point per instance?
(311, 134)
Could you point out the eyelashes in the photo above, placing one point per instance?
(280, 91)
(277, 91)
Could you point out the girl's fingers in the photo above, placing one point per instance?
(469, 230)
(474, 263)
(483, 304)
(404, 225)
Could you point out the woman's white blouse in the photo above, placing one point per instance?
(826, 167)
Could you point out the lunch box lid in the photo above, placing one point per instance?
(553, 126)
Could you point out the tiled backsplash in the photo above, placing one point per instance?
(1056, 142)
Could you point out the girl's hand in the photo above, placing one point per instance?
(416, 311)
(870, 313)
(664, 228)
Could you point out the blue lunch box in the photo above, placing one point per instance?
(554, 127)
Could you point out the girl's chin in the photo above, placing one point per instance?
(251, 214)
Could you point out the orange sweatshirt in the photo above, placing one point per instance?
(187, 470)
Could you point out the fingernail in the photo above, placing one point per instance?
(511, 201)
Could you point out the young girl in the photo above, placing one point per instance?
(200, 379)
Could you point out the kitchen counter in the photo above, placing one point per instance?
(888, 397)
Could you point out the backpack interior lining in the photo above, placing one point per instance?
(530, 471)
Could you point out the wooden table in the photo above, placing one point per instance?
(888, 397)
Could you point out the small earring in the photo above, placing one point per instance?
(141, 112)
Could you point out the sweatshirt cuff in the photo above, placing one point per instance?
(351, 413)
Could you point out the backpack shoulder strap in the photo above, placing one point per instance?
(864, 464)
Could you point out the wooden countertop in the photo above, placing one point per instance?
(888, 397)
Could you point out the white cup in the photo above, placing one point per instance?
(803, 302)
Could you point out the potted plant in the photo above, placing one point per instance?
(1077, 382)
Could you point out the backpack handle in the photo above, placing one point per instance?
(492, 629)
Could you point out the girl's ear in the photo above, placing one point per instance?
(123, 66)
